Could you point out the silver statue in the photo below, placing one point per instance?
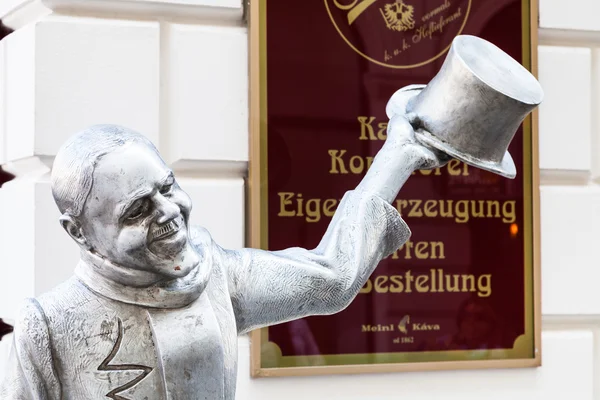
(155, 306)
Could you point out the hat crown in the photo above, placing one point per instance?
(497, 69)
(475, 104)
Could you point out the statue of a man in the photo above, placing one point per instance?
(155, 306)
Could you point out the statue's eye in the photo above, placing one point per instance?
(137, 210)
(166, 189)
(136, 214)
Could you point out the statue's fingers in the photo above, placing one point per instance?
(400, 127)
(435, 158)
(440, 155)
(398, 101)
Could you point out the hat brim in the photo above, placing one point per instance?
(397, 105)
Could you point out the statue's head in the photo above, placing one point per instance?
(120, 201)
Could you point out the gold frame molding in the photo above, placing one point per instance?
(256, 232)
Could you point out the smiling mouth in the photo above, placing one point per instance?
(166, 230)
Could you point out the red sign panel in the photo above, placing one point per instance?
(463, 289)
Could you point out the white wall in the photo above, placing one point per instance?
(185, 85)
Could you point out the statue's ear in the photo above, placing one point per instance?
(73, 229)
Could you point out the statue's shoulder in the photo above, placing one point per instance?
(31, 326)
(203, 241)
(31, 315)
(221, 258)
(68, 295)
(35, 315)
(201, 237)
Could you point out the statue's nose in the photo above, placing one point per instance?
(168, 211)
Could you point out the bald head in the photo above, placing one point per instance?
(73, 169)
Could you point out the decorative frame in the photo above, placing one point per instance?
(257, 208)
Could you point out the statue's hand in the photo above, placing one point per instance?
(401, 133)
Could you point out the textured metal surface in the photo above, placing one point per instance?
(472, 108)
(155, 306)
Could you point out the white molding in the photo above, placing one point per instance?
(29, 166)
(177, 10)
(19, 13)
(558, 177)
(210, 169)
(568, 37)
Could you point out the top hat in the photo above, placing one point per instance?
(472, 108)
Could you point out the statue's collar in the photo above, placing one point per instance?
(96, 272)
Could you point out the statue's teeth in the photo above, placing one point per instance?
(165, 229)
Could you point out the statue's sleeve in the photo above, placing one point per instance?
(30, 373)
(271, 287)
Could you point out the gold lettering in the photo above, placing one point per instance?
(434, 254)
(474, 211)
(462, 211)
(367, 132)
(397, 280)
(452, 287)
(357, 165)
(421, 250)
(382, 132)
(367, 287)
(413, 211)
(436, 171)
(484, 285)
(434, 281)
(284, 199)
(312, 210)
(427, 30)
(336, 160)
(379, 282)
(443, 212)
(408, 278)
(420, 283)
(407, 247)
(329, 207)
(454, 168)
(429, 205)
(366, 128)
(299, 200)
(359, 9)
(313, 207)
(436, 11)
(496, 206)
(508, 212)
(344, 7)
(471, 279)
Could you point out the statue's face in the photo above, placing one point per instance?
(137, 216)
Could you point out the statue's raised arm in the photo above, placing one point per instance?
(273, 287)
(471, 111)
(154, 307)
